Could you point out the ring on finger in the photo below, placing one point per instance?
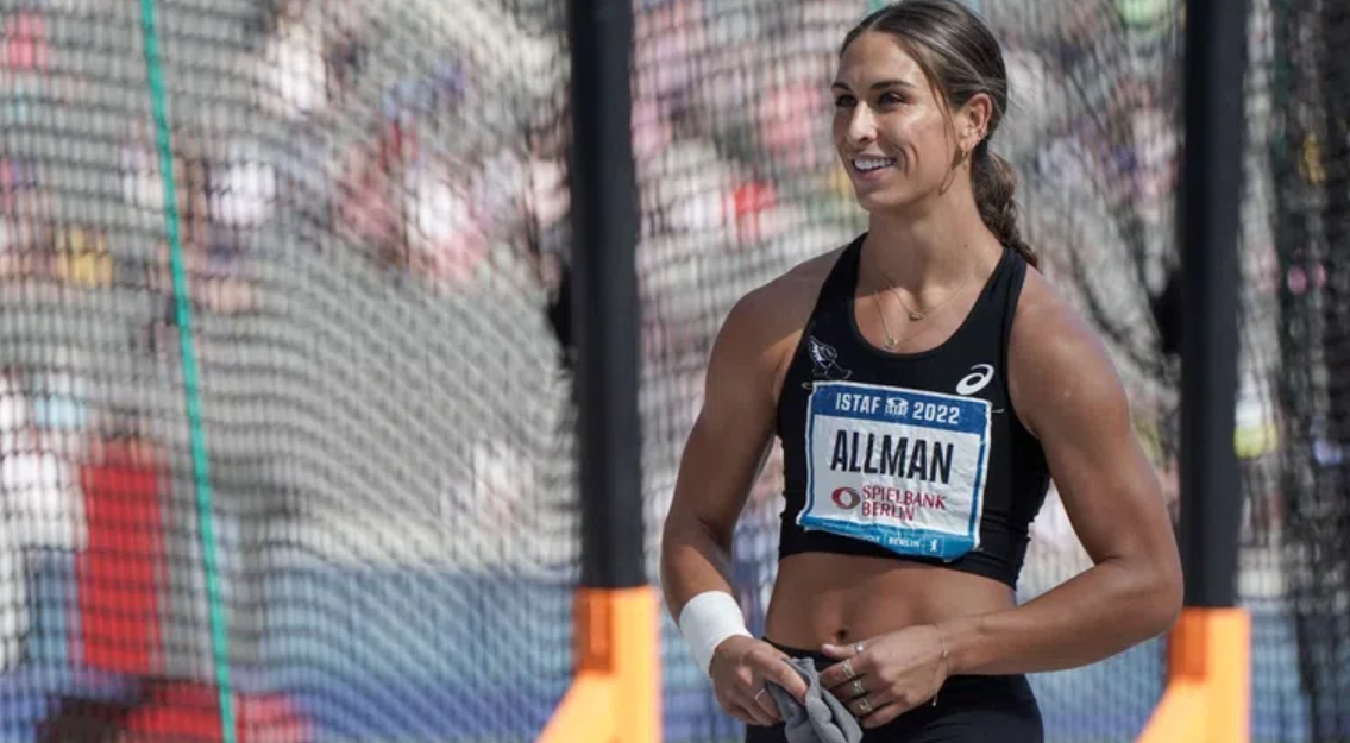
(857, 647)
(760, 693)
(857, 687)
(864, 706)
(847, 668)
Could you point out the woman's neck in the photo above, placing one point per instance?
(921, 249)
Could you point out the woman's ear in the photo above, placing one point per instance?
(972, 122)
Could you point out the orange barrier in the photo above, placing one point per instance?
(616, 695)
(1208, 696)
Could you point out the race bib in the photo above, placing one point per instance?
(900, 468)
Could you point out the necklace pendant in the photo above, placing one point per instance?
(915, 316)
(890, 342)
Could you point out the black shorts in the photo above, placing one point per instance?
(969, 709)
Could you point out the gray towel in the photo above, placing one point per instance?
(822, 719)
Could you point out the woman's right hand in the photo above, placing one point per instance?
(741, 668)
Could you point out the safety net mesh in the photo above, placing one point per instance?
(284, 349)
(286, 433)
(1310, 158)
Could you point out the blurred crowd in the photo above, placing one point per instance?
(444, 170)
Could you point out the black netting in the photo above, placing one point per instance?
(1310, 156)
(372, 411)
(371, 214)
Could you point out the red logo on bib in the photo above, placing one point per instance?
(846, 498)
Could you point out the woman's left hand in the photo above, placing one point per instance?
(881, 678)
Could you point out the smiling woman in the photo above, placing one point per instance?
(925, 383)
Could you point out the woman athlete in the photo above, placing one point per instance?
(925, 385)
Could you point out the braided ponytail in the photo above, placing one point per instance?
(995, 186)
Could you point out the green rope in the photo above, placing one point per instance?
(154, 71)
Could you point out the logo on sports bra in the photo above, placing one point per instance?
(979, 377)
(901, 468)
(824, 363)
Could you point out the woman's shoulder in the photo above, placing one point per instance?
(765, 325)
(776, 308)
(1043, 314)
(1053, 348)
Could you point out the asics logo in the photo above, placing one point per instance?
(979, 377)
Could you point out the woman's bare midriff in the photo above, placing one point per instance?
(820, 598)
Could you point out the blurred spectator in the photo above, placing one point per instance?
(367, 201)
(42, 525)
(344, 46)
(143, 185)
(547, 202)
(1156, 141)
(15, 418)
(689, 183)
(245, 193)
(790, 125)
(503, 477)
(61, 400)
(751, 205)
(1144, 15)
(293, 73)
(221, 199)
(445, 238)
(652, 132)
(312, 56)
(24, 213)
(664, 55)
(428, 98)
(214, 204)
(142, 181)
(25, 41)
(42, 494)
(77, 720)
(120, 573)
(499, 189)
(242, 191)
(82, 257)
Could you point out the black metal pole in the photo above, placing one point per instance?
(605, 304)
(1211, 178)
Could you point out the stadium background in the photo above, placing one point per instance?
(373, 203)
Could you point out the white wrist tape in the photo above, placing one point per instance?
(708, 619)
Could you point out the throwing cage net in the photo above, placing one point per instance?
(1311, 160)
(284, 343)
(286, 441)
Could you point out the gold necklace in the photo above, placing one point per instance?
(914, 315)
(891, 340)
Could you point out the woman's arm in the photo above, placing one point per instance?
(1067, 392)
(721, 457)
(724, 452)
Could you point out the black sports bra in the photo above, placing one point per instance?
(916, 456)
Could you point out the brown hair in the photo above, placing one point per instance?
(961, 59)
